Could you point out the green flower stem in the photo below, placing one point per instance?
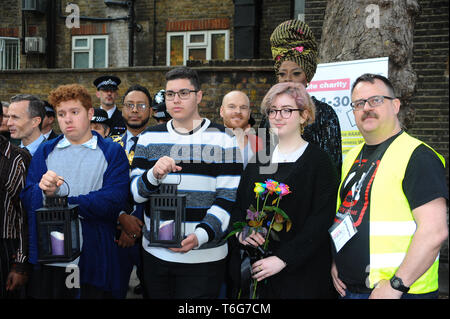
(264, 205)
(257, 203)
(266, 242)
(255, 282)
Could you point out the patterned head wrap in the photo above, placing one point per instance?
(294, 41)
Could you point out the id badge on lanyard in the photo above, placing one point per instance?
(342, 231)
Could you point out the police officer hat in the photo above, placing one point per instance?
(107, 82)
(159, 106)
(100, 116)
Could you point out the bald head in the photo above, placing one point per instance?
(235, 110)
(236, 96)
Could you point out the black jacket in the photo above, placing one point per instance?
(116, 123)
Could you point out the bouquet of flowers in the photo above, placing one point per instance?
(271, 216)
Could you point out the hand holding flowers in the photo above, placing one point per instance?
(267, 267)
(253, 232)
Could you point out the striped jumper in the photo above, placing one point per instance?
(211, 168)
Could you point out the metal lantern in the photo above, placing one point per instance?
(58, 230)
(167, 211)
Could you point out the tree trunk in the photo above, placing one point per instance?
(363, 29)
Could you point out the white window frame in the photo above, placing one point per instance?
(197, 45)
(299, 10)
(89, 48)
(3, 52)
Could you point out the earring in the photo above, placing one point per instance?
(302, 129)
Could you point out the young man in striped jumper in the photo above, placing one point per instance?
(205, 159)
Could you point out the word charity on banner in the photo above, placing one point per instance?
(329, 85)
(332, 84)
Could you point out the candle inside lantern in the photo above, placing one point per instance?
(57, 240)
(166, 230)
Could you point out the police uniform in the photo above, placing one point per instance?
(110, 82)
(101, 116)
(130, 256)
(125, 140)
(50, 111)
(159, 107)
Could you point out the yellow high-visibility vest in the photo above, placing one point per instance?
(391, 222)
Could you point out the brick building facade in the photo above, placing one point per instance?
(156, 19)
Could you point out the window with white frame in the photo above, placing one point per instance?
(299, 10)
(197, 45)
(90, 51)
(9, 54)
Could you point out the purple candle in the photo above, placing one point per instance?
(166, 230)
(57, 240)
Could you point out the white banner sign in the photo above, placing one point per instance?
(332, 84)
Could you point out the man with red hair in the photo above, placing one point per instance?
(98, 174)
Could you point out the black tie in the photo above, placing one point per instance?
(133, 147)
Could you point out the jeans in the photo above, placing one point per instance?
(430, 295)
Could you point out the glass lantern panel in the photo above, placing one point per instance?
(166, 222)
(45, 247)
(75, 234)
(166, 230)
(182, 229)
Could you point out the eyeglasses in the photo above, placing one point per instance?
(373, 101)
(139, 106)
(233, 107)
(285, 113)
(183, 94)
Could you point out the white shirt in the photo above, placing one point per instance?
(110, 111)
(46, 135)
(33, 146)
(278, 157)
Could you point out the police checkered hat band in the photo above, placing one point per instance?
(105, 83)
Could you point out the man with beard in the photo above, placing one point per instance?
(136, 113)
(107, 87)
(236, 114)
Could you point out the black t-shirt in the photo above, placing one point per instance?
(424, 181)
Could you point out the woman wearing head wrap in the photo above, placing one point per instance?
(294, 50)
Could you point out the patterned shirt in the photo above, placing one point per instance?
(13, 171)
(326, 132)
